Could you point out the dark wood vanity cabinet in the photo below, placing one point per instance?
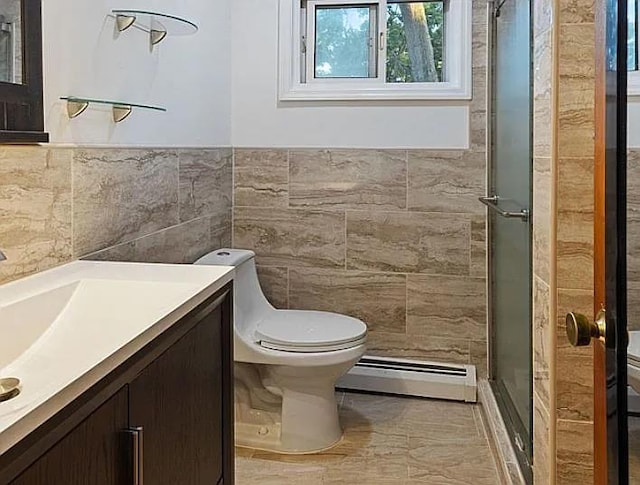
(165, 417)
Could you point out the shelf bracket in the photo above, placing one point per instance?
(120, 112)
(76, 108)
(157, 36)
(123, 22)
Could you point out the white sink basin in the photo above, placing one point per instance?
(23, 323)
(64, 329)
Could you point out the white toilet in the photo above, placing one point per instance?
(287, 364)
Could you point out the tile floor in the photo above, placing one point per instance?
(387, 441)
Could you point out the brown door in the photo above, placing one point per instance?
(608, 329)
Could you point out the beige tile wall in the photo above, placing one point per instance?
(60, 204)
(395, 237)
(564, 65)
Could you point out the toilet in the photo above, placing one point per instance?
(633, 360)
(286, 365)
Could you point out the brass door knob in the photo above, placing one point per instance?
(580, 329)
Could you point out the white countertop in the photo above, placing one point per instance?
(102, 313)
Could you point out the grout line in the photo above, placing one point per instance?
(406, 176)
(73, 196)
(346, 266)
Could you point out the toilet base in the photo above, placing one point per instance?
(287, 409)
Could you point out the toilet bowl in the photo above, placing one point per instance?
(633, 360)
(286, 365)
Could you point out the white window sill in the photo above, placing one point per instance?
(389, 92)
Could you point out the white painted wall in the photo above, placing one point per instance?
(189, 75)
(633, 124)
(258, 119)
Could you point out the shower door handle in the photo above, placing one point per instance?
(492, 203)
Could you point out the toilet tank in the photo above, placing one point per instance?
(249, 303)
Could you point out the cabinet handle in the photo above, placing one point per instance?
(137, 443)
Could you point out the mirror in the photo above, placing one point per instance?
(11, 41)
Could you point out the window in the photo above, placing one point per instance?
(375, 49)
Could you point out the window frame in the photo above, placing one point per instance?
(293, 72)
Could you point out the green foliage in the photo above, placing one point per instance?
(342, 40)
(398, 62)
(342, 48)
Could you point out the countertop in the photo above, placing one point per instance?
(111, 311)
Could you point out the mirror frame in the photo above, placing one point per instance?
(21, 105)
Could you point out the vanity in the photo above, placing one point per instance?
(126, 375)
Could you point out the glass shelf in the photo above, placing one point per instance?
(158, 25)
(121, 109)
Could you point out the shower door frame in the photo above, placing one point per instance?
(514, 427)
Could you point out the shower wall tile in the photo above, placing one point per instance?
(574, 455)
(542, 67)
(275, 284)
(542, 218)
(35, 210)
(446, 306)
(478, 263)
(541, 463)
(348, 179)
(574, 366)
(295, 237)
(378, 299)
(447, 181)
(577, 11)
(574, 247)
(576, 90)
(575, 176)
(205, 175)
(542, 332)
(408, 242)
(261, 177)
(122, 194)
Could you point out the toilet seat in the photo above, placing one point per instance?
(310, 331)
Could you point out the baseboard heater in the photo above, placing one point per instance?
(412, 378)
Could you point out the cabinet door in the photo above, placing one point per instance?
(177, 401)
(92, 454)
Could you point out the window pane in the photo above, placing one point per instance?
(415, 41)
(343, 44)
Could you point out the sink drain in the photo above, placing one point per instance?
(9, 388)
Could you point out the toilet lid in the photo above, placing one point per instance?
(310, 331)
(633, 351)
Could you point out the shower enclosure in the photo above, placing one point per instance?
(508, 200)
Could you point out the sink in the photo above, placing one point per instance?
(23, 323)
(64, 329)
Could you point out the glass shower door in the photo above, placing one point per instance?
(509, 200)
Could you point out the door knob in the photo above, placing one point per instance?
(580, 329)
